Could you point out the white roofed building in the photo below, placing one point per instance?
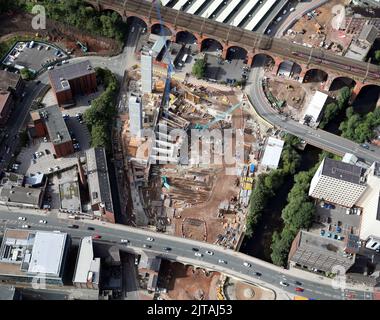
(314, 110)
(272, 153)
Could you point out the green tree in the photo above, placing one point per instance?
(377, 56)
(199, 68)
(26, 74)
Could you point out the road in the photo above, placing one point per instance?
(316, 287)
(316, 137)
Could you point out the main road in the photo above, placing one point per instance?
(316, 137)
(181, 249)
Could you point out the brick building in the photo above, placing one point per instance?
(11, 87)
(71, 80)
(49, 122)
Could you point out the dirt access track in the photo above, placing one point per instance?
(19, 24)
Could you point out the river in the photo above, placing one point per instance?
(259, 245)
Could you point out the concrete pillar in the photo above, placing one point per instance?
(328, 83)
(302, 74)
(277, 63)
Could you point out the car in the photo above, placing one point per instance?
(47, 206)
(45, 139)
(91, 228)
(50, 68)
(65, 116)
(25, 226)
(47, 151)
(198, 254)
(348, 211)
(150, 239)
(258, 274)
(246, 264)
(65, 61)
(298, 283)
(22, 218)
(43, 221)
(56, 168)
(167, 249)
(73, 226)
(292, 9)
(195, 249)
(279, 19)
(222, 261)
(299, 289)
(365, 146)
(284, 284)
(210, 253)
(50, 169)
(284, 12)
(124, 240)
(147, 246)
(96, 236)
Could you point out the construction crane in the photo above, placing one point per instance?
(219, 117)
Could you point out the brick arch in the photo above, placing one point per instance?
(204, 40)
(360, 88)
(318, 75)
(142, 19)
(229, 49)
(197, 37)
(349, 82)
(168, 30)
(297, 68)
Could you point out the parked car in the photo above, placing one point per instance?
(210, 253)
(299, 289)
(124, 240)
(167, 249)
(222, 261)
(246, 264)
(96, 236)
(43, 221)
(365, 146)
(147, 246)
(91, 228)
(22, 218)
(284, 284)
(150, 239)
(73, 226)
(195, 249)
(25, 226)
(198, 254)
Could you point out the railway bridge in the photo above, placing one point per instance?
(280, 50)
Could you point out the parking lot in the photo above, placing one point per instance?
(330, 219)
(34, 58)
(220, 70)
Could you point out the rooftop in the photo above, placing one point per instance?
(369, 34)
(8, 80)
(25, 252)
(272, 152)
(59, 77)
(15, 194)
(87, 268)
(98, 179)
(342, 171)
(55, 124)
(70, 196)
(4, 96)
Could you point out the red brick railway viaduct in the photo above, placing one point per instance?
(251, 42)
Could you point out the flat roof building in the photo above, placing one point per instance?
(313, 112)
(11, 82)
(338, 182)
(28, 255)
(6, 106)
(69, 195)
(21, 197)
(135, 115)
(49, 121)
(321, 253)
(272, 153)
(72, 79)
(370, 204)
(87, 269)
(99, 184)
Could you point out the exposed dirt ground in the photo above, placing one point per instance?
(313, 33)
(185, 283)
(64, 36)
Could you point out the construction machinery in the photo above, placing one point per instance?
(218, 118)
(82, 46)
